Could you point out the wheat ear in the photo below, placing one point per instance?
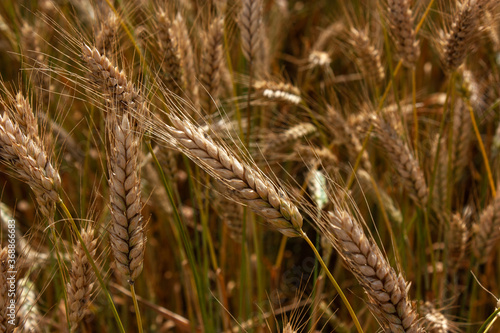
(405, 164)
(212, 64)
(126, 230)
(81, 278)
(387, 292)
(368, 56)
(487, 231)
(29, 162)
(114, 82)
(250, 25)
(459, 40)
(246, 185)
(28, 312)
(170, 54)
(400, 18)
(105, 38)
(186, 53)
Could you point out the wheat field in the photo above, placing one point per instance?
(250, 166)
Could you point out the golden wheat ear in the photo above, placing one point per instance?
(126, 231)
(387, 291)
(81, 278)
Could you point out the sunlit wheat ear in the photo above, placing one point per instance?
(434, 321)
(126, 230)
(486, 232)
(368, 56)
(29, 161)
(280, 92)
(112, 81)
(246, 184)
(187, 58)
(106, 36)
(460, 38)
(4, 300)
(170, 57)
(400, 17)
(403, 161)
(290, 136)
(250, 24)
(212, 63)
(387, 291)
(28, 313)
(81, 278)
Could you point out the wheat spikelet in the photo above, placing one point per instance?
(212, 64)
(291, 135)
(277, 92)
(403, 161)
(126, 230)
(400, 18)
(29, 162)
(246, 185)
(118, 89)
(434, 321)
(387, 292)
(170, 54)
(440, 192)
(368, 56)
(81, 278)
(105, 38)
(28, 312)
(486, 231)
(320, 59)
(250, 25)
(25, 118)
(459, 40)
(187, 59)
(457, 236)
(341, 129)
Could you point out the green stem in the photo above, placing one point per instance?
(136, 308)
(335, 284)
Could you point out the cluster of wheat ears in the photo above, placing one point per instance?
(250, 165)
